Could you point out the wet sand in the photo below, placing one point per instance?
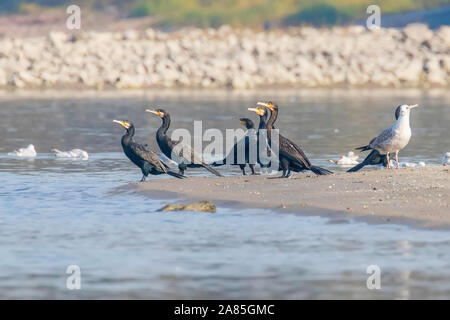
(413, 196)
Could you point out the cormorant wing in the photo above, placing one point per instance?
(293, 152)
(186, 152)
(149, 156)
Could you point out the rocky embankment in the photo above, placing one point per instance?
(229, 58)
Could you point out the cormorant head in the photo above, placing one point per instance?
(247, 123)
(272, 106)
(159, 112)
(404, 109)
(259, 111)
(124, 123)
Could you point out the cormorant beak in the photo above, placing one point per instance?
(122, 123)
(267, 105)
(154, 112)
(243, 123)
(413, 106)
(258, 111)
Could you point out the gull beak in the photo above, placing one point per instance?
(413, 106)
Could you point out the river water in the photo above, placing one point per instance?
(55, 213)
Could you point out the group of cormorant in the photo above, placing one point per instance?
(290, 156)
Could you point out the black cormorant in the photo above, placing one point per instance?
(262, 112)
(250, 139)
(144, 158)
(374, 158)
(291, 156)
(167, 145)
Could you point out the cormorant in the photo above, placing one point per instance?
(144, 158)
(249, 139)
(374, 158)
(291, 156)
(262, 113)
(167, 145)
(394, 138)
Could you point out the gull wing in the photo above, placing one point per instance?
(383, 138)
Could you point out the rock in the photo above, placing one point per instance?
(57, 38)
(444, 34)
(418, 32)
(227, 57)
(410, 71)
(202, 206)
(3, 78)
(435, 73)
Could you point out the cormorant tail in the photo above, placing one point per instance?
(371, 159)
(176, 175)
(357, 167)
(208, 167)
(320, 171)
(365, 148)
(216, 164)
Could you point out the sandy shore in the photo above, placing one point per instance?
(413, 196)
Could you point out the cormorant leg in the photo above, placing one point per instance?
(388, 161)
(396, 159)
(285, 166)
(143, 178)
(181, 168)
(252, 167)
(242, 166)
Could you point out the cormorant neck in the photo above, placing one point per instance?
(272, 119)
(164, 126)
(262, 121)
(128, 136)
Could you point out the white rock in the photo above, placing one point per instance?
(435, 73)
(418, 32)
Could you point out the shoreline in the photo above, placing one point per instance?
(416, 197)
(217, 93)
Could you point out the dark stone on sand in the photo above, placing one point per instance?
(202, 206)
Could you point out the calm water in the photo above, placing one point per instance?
(56, 213)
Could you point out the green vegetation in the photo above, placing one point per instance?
(213, 13)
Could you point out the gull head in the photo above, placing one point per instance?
(404, 109)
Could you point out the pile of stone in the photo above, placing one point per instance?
(230, 58)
